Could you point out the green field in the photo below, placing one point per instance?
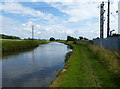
(16, 45)
(89, 66)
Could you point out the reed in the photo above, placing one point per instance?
(16, 45)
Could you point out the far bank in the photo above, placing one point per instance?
(10, 45)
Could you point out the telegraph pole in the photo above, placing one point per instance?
(102, 19)
(32, 32)
(108, 19)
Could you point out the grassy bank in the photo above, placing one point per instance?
(88, 67)
(16, 45)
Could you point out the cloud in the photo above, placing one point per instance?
(8, 25)
(79, 11)
(86, 10)
(17, 8)
(48, 25)
(24, 30)
(41, 31)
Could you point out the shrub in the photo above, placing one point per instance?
(52, 39)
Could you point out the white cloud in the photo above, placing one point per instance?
(17, 8)
(88, 9)
(44, 32)
(24, 30)
(76, 12)
(1, 27)
(8, 25)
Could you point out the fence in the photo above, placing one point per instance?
(112, 43)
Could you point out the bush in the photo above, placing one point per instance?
(52, 39)
(115, 35)
(81, 38)
(69, 38)
(75, 42)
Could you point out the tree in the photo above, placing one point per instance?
(96, 38)
(85, 39)
(115, 35)
(81, 38)
(69, 38)
(52, 39)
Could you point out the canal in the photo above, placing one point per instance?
(34, 68)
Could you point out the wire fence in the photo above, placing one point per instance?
(112, 43)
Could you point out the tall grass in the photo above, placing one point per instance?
(107, 57)
(15, 45)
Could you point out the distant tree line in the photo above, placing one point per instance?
(70, 38)
(115, 35)
(30, 39)
(8, 37)
(82, 38)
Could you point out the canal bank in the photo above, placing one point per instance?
(89, 66)
(10, 45)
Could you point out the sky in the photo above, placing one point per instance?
(55, 18)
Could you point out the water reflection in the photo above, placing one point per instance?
(33, 55)
(36, 68)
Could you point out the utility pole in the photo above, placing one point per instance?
(108, 19)
(32, 32)
(102, 19)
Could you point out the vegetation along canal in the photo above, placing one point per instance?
(36, 68)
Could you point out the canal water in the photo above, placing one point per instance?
(35, 68)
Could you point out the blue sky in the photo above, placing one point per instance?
(53, 19)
